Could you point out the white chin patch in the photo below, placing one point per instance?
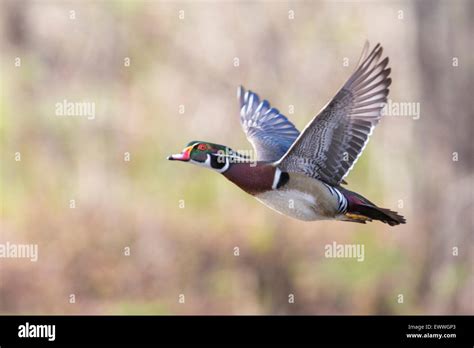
(207, 164)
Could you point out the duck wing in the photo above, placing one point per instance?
(331, 143)
(270, 133)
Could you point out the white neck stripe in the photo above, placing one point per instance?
(207, 164)
(225, 167)
(276, 178)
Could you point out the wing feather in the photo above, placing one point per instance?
(270, 133)
(331, 143)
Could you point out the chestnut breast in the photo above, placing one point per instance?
(253, 178)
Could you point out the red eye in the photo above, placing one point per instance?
(202, 147)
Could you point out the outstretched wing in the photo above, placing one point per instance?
(331, 143)
(270, 133)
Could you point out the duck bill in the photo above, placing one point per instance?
(183, 156)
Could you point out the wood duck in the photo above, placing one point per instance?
(300, 174)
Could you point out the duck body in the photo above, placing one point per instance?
(303, 199)
(300, 174)
(290, 194)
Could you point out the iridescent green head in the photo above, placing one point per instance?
(213, 156)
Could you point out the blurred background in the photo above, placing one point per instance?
(148, 236)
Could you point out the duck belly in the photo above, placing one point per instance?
(309, 204)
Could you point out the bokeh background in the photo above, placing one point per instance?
(186, 61)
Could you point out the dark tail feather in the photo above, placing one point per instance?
(360, 209)
(375, 213)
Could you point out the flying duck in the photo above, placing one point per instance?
(300, 174)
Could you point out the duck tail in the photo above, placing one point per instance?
(361, 210)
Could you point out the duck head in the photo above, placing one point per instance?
(209, 155)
